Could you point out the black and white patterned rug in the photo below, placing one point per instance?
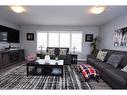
(15, 78)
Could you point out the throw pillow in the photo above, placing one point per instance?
(31, 57)
(63, 51)
(101, 55)
(124, 69)
(114, 60)
(51, 51)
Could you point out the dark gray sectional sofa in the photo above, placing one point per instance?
(116, 78)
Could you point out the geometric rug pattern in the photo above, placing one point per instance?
(15, 78)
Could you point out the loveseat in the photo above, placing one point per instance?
(56, 52)
(114, 76)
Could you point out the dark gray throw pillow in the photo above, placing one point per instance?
(114, 60)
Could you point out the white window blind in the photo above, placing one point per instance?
(64, 39)
(41, 40)
(76, 41)
(60, 39)
(53, 39)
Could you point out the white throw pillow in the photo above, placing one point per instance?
(101, 55)
(51, 51)
(124, 69)
(63, 51)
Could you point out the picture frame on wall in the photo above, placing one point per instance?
(120, 37)
(30, 36)
(89, 37)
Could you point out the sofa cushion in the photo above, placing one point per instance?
(92, 61)
(51, 51)
(63, 52)
(98, 64)
(117, 76)
(101, 55)
(114, 60)
(123, 62)
(61, 57)
(103, 65)
(109, 52)
(52, 56)
(56, 51)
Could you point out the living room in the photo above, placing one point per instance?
(66, 35)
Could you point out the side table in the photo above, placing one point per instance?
(74, 58)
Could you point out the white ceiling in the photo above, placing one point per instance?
(61, 15)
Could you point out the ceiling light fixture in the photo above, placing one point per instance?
(97, 9)
(17, 9)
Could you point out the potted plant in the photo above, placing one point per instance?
(94, 46)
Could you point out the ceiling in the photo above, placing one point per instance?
(61, 15)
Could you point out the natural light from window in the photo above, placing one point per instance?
(53, 39)
(41, 40)
(60, 39)
(64, 39)
(77, 41)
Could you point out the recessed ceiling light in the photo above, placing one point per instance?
(97, 9)
(17, 9)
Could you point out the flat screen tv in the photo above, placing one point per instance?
(3, 36)
(13, 36)
(9, 35)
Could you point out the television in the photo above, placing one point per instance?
(3, 36)
(13, 36)
(9, 35)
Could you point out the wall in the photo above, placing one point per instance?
(11, 25)
(30, 46)
(106, 32)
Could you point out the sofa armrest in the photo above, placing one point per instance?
(41, 55)
(91, 56)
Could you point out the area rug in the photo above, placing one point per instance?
(15, 78)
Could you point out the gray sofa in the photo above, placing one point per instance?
(115, 77)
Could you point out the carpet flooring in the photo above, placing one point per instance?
(15, 78)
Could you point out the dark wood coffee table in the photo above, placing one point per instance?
(46, 68)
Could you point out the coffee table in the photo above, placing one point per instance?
(44, 65)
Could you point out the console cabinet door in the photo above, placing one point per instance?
(21, 55)
(5, 59)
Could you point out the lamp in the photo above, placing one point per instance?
(97, 9)
(17, 9)
(74, 48)
(41, 48)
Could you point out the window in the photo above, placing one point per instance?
(76, 41)
(41, 40)
(60, 39)
(64, 39)
(53, 39)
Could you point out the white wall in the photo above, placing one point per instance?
(106, 32)
(8, 24)
(11, 25)
(30, 46)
